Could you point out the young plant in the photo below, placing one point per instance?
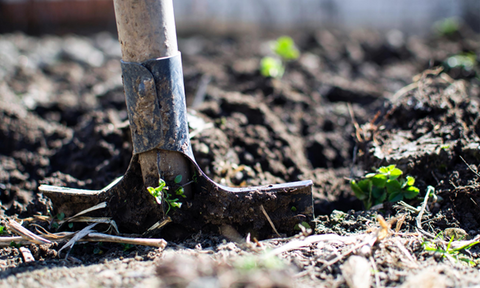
(450, 252)
(161, 193)
(466, 61)
(284, 50)
(385, 184)
(447, 27)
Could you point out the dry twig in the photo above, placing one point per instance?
(25, 233)
(269, 220)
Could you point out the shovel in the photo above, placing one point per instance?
(154, 92)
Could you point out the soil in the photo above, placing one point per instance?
(353, 101)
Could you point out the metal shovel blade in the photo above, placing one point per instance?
(134, 210)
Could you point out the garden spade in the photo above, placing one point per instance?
(154, 92)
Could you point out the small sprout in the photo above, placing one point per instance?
(447, 26)
(180, 192)
(386, 183)
(271, 67)
(70, 225)
(450, 252)
(2, 230)
(158, 191)
(285, 50)
(195, 177)
(161, 193)
(467, 61)
(55, 225)
(252, 263)
(60, 216)
(14, 244)
(127, 247)
(178, 179)
(293, 209)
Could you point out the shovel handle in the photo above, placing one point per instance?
(146, 29)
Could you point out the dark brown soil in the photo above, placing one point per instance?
(64, 122)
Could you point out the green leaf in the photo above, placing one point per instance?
(410, 180)
(176, 204)
(380, 194)
(393, 186)
(70, 225)
(285, 48)
(383, 170)
(395, 173)
(178, 179)
(395, 196)
(411, 192)
(306, 225)
(359, 193)
(14, 244)
(161, 183)
(180, 191)
(366, 185)
(61, 216)
(368, 204)
(390, 167)
(379, 180)
(271, 67)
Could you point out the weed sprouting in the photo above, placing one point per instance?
(284, 50)
(161, 192)
(447, 27)
(385, 184)
(448, 251)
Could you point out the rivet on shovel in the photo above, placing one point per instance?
(153, 83)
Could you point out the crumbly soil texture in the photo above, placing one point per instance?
(352, 102)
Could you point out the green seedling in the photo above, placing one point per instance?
(60, 216)
(250, 263)
(271, 67)
(466, 61)
(385, 184)
(14, 244)
(178, 179)
(449, 252)
(447, 27)
(161, 192)
(284, 50)
(2, 230)
(445, 147)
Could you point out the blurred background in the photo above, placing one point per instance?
(220, 16)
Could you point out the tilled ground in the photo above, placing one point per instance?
(64, 122)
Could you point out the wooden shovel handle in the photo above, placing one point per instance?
(146, 29)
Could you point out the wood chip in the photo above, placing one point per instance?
(26, 255)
